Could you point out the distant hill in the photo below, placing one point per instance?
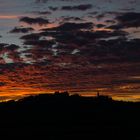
(64, 116)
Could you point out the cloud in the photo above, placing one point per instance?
(41, 1)
(53, 8)
(43, 43)
(2, 45)
(95, 64)
(78, 53)
(21, 30)
(2, 84)
(10, 54)
(69, 26)
(90, 44)
(127, 20)
(110, 21)
(100, 25)
(6, 47)
(84, 37)
(83, 7)
(44, 13)
(93, 13)
(12, 47)
(39, 20)
(70, 18)
(32, 36)
(127, 81)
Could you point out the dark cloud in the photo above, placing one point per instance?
(100, 25)
(69, 18)
(32, 36)
(93, 13)
(42, 43)
(40, 54)
(73, 26)
(100, 16)
(29, 20)
(116, 27)
(53, 8)
(127, 20)
(89, 44)
(2, 84)
(110, 21)
(44, 13)
(128, 9)
(7, 47)
(132, 1)
(21, 30)
(2, 45)
(11, 52)
(77, 33)
(41, 1)
(127, 81)
(70, 38)
(118, 50)
(84, 37)
(15, 57)
(12, 47)
(83, 7)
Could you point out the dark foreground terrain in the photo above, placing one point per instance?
(61, 116)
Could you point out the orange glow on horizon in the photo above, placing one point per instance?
(11, 94)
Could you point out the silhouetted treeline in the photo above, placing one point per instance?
(64, 116)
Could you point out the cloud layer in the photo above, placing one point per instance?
(77, 46)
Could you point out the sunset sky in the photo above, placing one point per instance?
(82, 46)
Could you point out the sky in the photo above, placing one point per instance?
(80, 46)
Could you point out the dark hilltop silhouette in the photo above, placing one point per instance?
(63, 116)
